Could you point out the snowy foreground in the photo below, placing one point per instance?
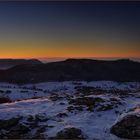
(60, 110)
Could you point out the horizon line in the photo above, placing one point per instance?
(66, 57)
(53, 59)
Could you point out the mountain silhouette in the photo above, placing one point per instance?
(73, 69)
(8, 63)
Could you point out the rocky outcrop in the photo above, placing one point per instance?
(23, 127)
(128, 126)
(70, 133)
(93, 103)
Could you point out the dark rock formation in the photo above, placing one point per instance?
(4, 100)
(23, 127)
(70, 133)
(128, 127)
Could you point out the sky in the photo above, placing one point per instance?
(69, 29)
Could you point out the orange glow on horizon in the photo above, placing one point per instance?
(68, 49)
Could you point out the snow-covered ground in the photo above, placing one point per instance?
(19, 92)
(92, 107)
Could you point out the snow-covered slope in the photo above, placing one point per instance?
(46, 109)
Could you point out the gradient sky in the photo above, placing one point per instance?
(69, 29)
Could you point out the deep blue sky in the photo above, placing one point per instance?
(70, 29)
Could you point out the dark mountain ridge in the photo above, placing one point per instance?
(73, 69)
(8, 63)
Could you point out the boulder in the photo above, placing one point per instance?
(127, 127)
(70, 133)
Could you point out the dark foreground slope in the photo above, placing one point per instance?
(8, 63)
(73, 69)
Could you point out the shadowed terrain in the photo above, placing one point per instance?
(8, 63)
(73, 69)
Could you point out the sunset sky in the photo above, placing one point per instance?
(69, 29)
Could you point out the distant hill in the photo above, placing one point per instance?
(8, 63)
(73, 69)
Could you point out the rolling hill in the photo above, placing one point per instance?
(73, 69)
(8, 63)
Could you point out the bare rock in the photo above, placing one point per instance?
(127, 127)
